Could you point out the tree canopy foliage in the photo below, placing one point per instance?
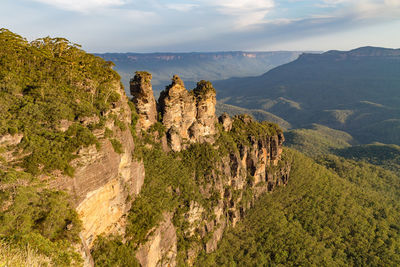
(346, 215)
(44, 82)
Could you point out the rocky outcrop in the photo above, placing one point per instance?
(188, 116)
(9, 140)
(177, 107)
(105, 181)
(225, 121)
(161, 248)
(204, 128)
(240, 178)
(143, 98)
(254, 166)
(10, 154)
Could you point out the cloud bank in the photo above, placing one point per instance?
(82, 5)
(206, 25)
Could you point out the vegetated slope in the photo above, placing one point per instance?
(320, 140)
(339, 213)
(355, 91)
(387, 156)
(197, 66)
(44, 83)
(258, 114)
(19, 257)
(317, 140)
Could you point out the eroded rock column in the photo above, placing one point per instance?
(178, 110)
(206, 118)
(143, 98)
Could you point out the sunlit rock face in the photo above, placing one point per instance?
(177, 107)
(189, 114)
(161, 247)
(143, 98)
(189, 117)
(226, 122)
(105, 182)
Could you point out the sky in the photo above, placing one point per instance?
(207, 25)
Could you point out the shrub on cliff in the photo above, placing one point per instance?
(53, 95)
(203, 87)
(44, 82)
(16, 256)
(111, 251)
(42, 219)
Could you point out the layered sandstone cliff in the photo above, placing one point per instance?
(105, 180)
(252, 165)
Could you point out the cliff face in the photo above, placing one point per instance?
(161, 247)
(226, 164)
(105, 181)
(240, 178)
(252, 164)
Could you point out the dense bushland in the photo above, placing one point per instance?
(43, 83)
(53, 95)
(345, 215)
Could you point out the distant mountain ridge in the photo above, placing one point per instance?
(369, 51)
(357, 91)
(197, 66)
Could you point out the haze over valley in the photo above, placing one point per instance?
(192, 67)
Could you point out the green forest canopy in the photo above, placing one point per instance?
(42, 83)
(336, 213)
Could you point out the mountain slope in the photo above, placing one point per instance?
(257, 114)
(387, 156)
(317, 140)
(65, 148)
(340, 214)
(356, 91)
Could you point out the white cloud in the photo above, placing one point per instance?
(235, 5)
(393, 3)
(376, 9)
(82, 5)
(182, 7)
(365, 9)
(246, 12)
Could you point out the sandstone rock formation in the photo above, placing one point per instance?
(105, 182)
(143, 98)
(188, 116)
(205, 102)
(161, 248)
(178, 110)
(226, 122)
(255, 166)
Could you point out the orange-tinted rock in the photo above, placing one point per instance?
(143, 98)
(191, 114)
